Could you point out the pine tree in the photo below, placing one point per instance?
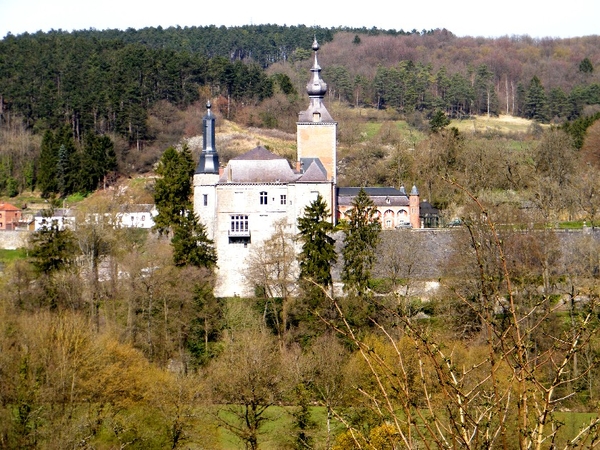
(585, 66)
(191, 245)
(68, 163)
(536, 105)
(47, 168)
(51, 248)
(318, 248)
(486, 101)
(438, 121)
(98, 159)
(362, 237)
(173, 189)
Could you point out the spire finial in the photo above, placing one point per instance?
(316, 87)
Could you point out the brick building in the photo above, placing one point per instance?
(10, 216)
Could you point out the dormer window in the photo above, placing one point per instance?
(316, 117)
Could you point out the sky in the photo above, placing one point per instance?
(535, 18)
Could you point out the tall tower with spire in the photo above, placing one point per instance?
(206, 175)
(316, 129)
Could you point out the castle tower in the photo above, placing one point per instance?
(206, 175)
(316, 129)
(413, 204)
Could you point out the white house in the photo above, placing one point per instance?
(137, 216)
(134, 216)
(62, 217)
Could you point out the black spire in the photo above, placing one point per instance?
(209, 159)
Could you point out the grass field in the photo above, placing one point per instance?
(7, 256)
(502, 124)
(278, 432)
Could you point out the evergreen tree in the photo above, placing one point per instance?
(62, 170)
(68, 163)
(438, 121)
(191, 245)
(536, 106)
(486, 101)
(362, 237)
(558, 103)
(173, 189)
(97, 160)
(459, 95)
(51, 248)
(318, 248)
(585, 66)
(47, 168)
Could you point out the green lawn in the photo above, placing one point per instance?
(278, 432)
(7, 256)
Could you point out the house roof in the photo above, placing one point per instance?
(381, 196)
(258, 166)
(371, 191)
(257, 154)
(426, 208)
(57, 212)
(8, 207)
(315, 171)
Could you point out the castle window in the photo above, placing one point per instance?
(283, 198)
(205, 198)
(239, 224)
(239, 232)
(263, 198)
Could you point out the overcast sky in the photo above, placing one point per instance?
(536, 18)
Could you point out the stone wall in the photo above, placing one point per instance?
(11, 240)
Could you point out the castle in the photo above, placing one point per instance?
(241, 203)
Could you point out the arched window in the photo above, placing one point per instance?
(388, 219)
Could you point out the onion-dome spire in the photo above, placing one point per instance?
(316, 87)
(209, 159)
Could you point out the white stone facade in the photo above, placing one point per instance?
(241, 215)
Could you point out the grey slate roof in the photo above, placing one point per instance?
(258, 166)
(313, 170)
(257, 154)
(381, 196)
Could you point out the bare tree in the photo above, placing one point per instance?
(501, 390)
(273, 270)
(246, 380)
(401, 256)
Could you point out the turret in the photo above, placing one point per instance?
(206, 176)
(316, 129)
(209, 159)
(413, 202)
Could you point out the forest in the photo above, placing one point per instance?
(477, 336)
(133, 86)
